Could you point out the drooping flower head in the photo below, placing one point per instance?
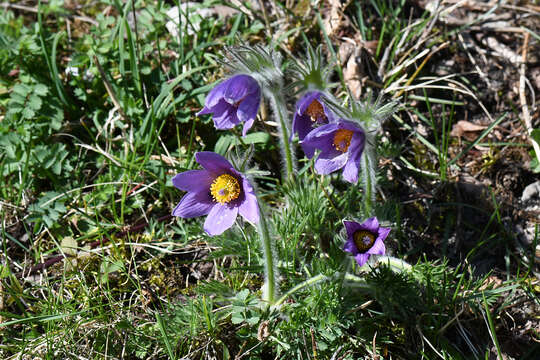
(233, 101)
(364, 240)
(218, 190)
(310, 112)
(341, 144)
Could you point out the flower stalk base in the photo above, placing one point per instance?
(269, 289)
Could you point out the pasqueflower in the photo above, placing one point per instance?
(310, 112)
(341, 144)
(218, 190)
(364, 240)
(233, 101)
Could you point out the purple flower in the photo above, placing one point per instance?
(341, 144)
(219, 191)
(310, 113)
(364, 240)
(233, 101)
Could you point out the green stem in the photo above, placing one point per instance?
(269, 287)
(395, 264)
(280, 111)
(360, 282)
(302, 285)
(368, 185)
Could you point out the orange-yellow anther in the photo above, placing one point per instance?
(363, 240)
(315, 111)
(342, 139)
(225, 188)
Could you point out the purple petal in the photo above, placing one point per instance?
(321, 131)
(247, 110)
(378, 248)
(215, 95)
(193, 205)
(350, 247)
(306, 100)
(316, 143)
(350, 125)
(351, 227)
(303, 119)
(193, 180)
(224, 116)
(329, 114)
(247, 125)
(357, 145)
(239, 87)
(361, 259)
(205, 110)
(350, 171)
(301, 125)
(371, 225)
(249, 208)
(325, 166)
(220, 218)
(320, 138)
(214, 163)
(383, 233)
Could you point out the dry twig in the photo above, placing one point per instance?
(523, 98)
(35, 10)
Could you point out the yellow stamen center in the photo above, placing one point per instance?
(342, 139)
(363, 240)
(225, 188)
(315, 111)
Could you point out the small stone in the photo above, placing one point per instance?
(531, 191)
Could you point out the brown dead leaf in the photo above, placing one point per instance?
(345, 51)
(535, 77)
(466, 129)
(263, 331)
(334, 20)
(491, 282)
(167, 160)
(224, 11)
(351, 75)
(371, 46)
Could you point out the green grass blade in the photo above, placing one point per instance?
(164, 336)
(492, 327)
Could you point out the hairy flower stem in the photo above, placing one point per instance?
(368, 186)
(269, 287)
(316, 279)
(302, 285)
(279, 109)
(395, 264)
